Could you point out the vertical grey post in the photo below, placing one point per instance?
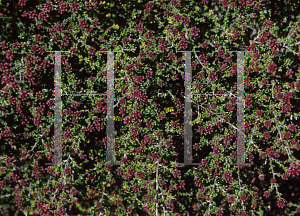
(57, 111)
(110, 127)
(240, 109)
(188, 111)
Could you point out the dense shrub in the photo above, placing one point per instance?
(149, 112)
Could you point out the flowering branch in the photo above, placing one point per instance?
(219, 117)
(271, 165)
(251, 139)
(40, 138)
(103, 193)
(169, 33)
(211, 198)
(30, 188)
(286, 147)
(208, 71)
(156, 178)
(63, 176)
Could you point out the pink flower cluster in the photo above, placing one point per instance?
(62, 7)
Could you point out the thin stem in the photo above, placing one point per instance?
(271, 165)
(208, 71)
(63, 176)
(286, 147)
(220, 118)
(156, 178)
(211, 198)
(251, 139)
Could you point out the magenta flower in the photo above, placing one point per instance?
(273, 43)
(142, 55)
(195, 207)
(90, 6)
(113, 42)
(272, 67)
(217, 151)
(149, 5)
(231, 199)
(160, 66)
(183, 44)
(128, 68)
(205, 45)
(200, 129)
(63, 7)
(81, 24)
(220, 212)
(181, 184)
(174, 31)
(202, 58)
(267, 123)
(265, 82)
(176, 173)
(293, 127)
(196, 146)
(225, 3)
(228, 177)
(95, 22)
(281, 203)
(286, 108)
(186, 21)
(146, 11)
(151, 55)
(266, 135)
(10, 54)
(139, 28)
(174, 2)
(171, 56)
(166, 13)
(198, 85)
(262, 40)
(198, 182)
(208, 129)
(268, 23)
(287, 135)
(195, 31)
(213, 106)
(127, 40)
(22, 3)
(91, 50)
